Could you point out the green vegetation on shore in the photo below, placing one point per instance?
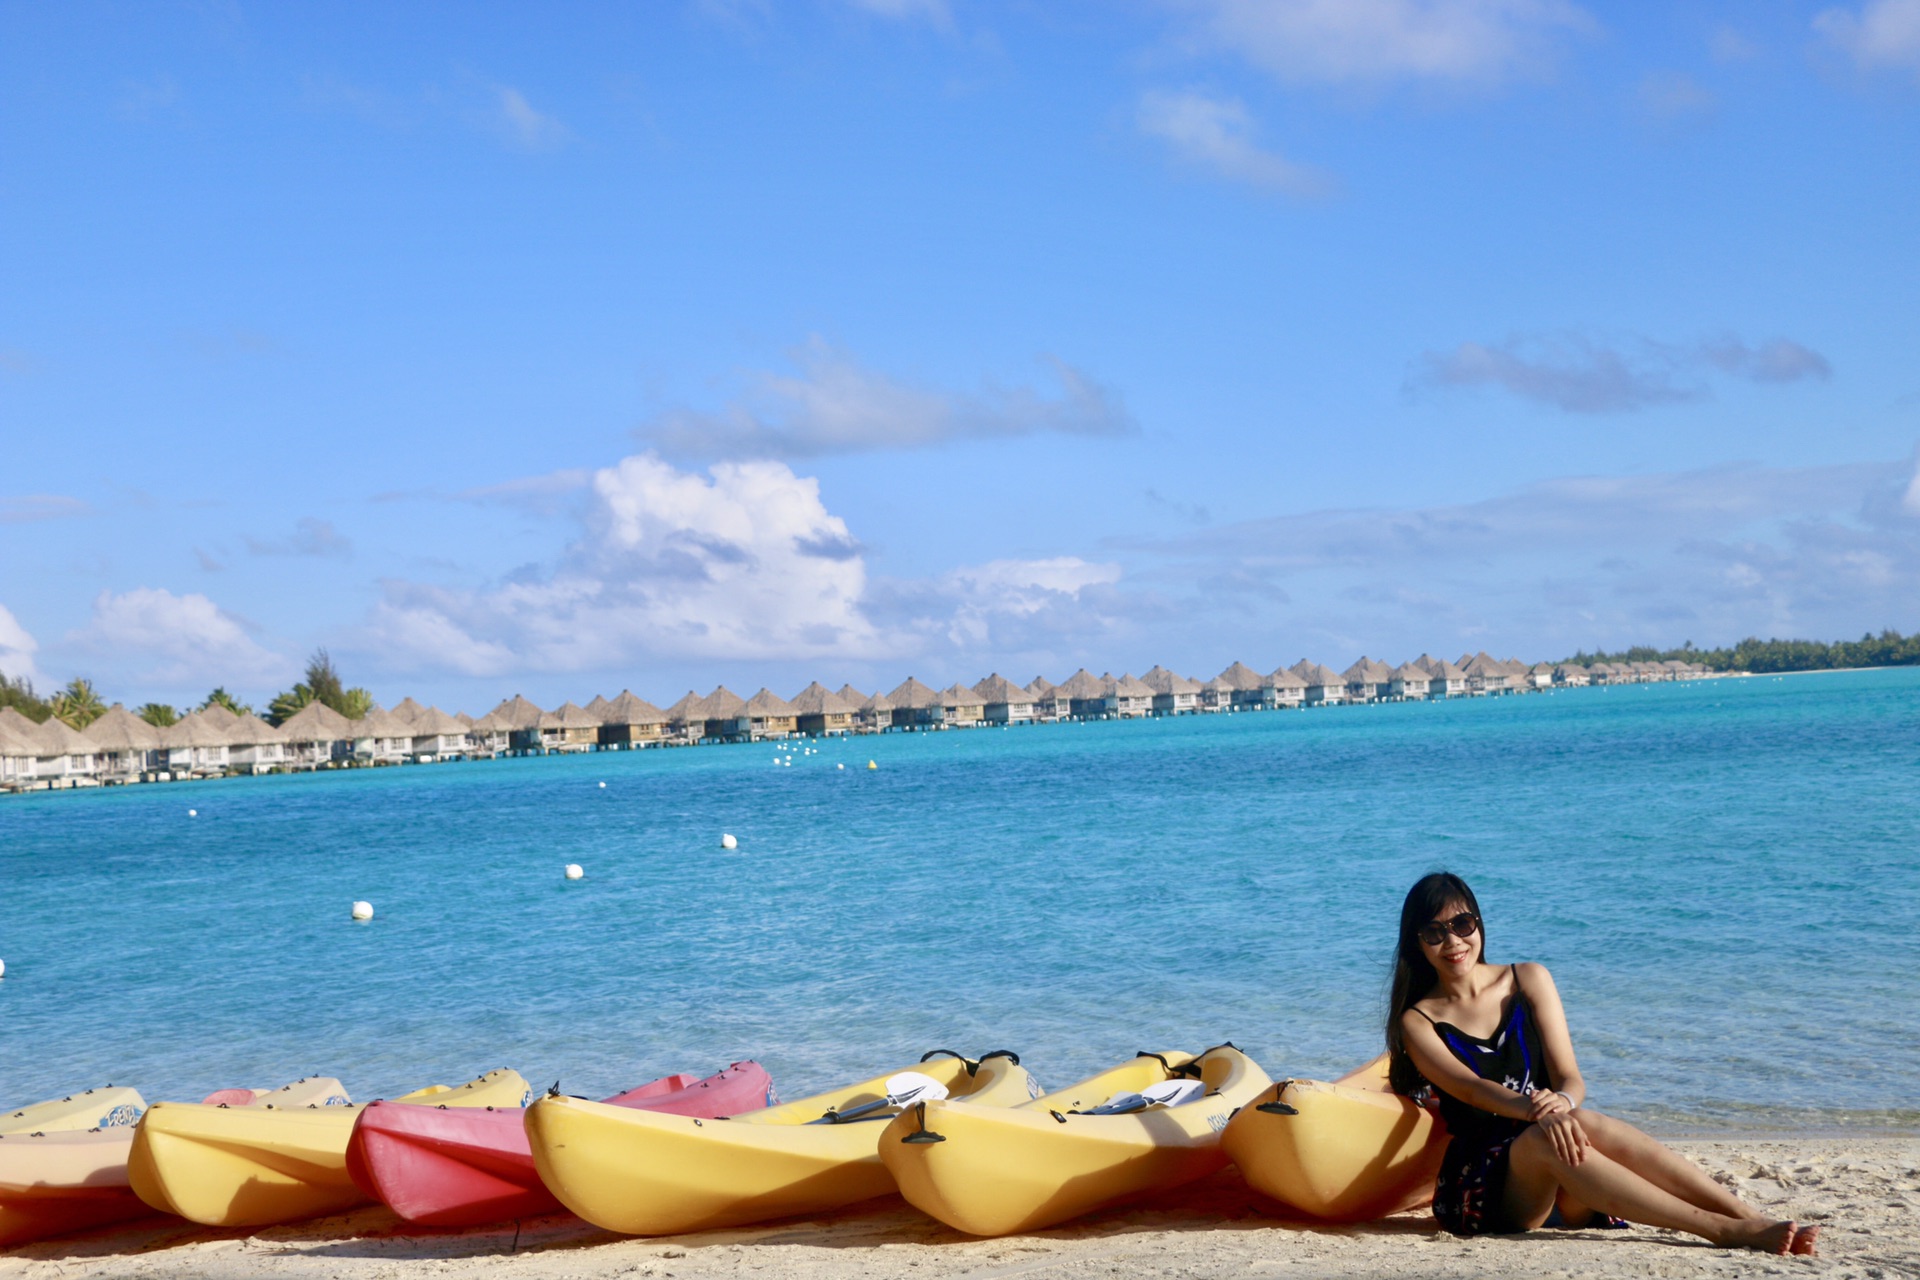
(1888, 649)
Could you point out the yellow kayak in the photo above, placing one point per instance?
(274, 1161)
(54, 1180)
(1346, 1151)
(992, 1172)
(645, 1173)
(106, 1107)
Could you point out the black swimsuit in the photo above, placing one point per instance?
(1470, 1198)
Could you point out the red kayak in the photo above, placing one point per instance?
(464, 1166)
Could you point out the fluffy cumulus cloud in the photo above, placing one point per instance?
(17, 647)
(1372, 42)
(1582, 374)
(743, 562)
(1881, 35)
(1711, 555)
(158, 639)
(834, 405)
(1217, 134)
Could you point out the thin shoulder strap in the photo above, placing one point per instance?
(1423, 1013)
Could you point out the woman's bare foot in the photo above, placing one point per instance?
(1803, 1241)
(1765, 1237)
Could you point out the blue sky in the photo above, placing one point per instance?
(504, 349)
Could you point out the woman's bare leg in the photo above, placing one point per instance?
(1535, 1174)
(1662, 1166)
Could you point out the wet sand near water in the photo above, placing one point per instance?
(1865, 1191)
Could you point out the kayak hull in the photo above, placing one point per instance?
(1351, 1151)
(997, 1172)
(642, 1173)
(466, 1167)
(105, 1107)
(259, 1165)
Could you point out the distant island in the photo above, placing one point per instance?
(1770, 657)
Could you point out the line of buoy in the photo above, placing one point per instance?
(363, 911)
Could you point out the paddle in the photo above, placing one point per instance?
(1168, 1093)
(903, 1091)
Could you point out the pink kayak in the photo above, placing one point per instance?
(464, 1166)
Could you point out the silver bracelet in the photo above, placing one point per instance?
(1571, 1104)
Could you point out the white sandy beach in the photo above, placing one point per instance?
(1865, 1191)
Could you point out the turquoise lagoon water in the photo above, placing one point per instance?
(1723, 876)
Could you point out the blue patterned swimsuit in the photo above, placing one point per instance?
(1470, 1198)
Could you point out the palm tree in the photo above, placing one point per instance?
(158, 714)
(221, 698)
(285, 705)
(78, 705)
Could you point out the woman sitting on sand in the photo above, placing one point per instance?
(1492, 1041)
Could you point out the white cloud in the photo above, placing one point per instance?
(745, 562)
(1217, 134)
(1882, 35)
(310, 537)
(834, 405)
(1911, 503)
(1581, 374)
(1673, 96)
(523, 125)
(154, 637)
(17, 647)
(1368, 42)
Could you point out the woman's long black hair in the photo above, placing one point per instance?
(1413, 974)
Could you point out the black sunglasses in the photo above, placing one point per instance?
(1464, 925)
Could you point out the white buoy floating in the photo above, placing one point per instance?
(3, 968)
(193, 813)
(603, 786)
(839, 766)
(727, 841)
(363, 911)
(573, 868)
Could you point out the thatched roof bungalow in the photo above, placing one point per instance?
(1367, 680)
(820, 711)
(1409, 681)
(725, 716)
(316, 734)
(876, 714)
(1128, 697)
(961, 706)
(436, 735)
(771, 716)
(1173, 694)
(1049, 704)
(1445, 680)
(1325, 687)
(60, 753)
(1571, 674)
(915, 706)
(1217, 694)
(1005, 702)
(128, 746)
(629, 721)
(380, 737)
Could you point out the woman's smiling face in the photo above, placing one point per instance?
(1452, 953)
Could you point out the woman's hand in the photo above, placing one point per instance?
(1542, 1103)
(1568, 1136)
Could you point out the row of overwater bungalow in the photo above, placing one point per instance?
(214, 742)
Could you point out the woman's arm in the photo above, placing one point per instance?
(1563, 1071)
(1444, 1071)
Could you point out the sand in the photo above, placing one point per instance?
(1864, 1190)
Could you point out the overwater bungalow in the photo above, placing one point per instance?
(1049, 704)
(1485, 675)
(521, 720)
(962, 707)
(820, 712)
(1445, 680)
(686, 719)
(1367, 680)
(18, 755)
(407, 711)
(1408, 681)
(488, 737)
(1081, 692)
(569, 728)
(255, 747)
(1173, 694)
(1216, 695)
(380, 737)
(628, 722)
(59, 756)
(725, 716)
(436, 735)
(1425, 662)
(1245, 683)
(317, 735)
(915, 706)
(1005, 702)
(875, 714)
(771, 716)
(1325, 687)
(1128, 697)
(196, 746)
(128, 746)
(1570, 674)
